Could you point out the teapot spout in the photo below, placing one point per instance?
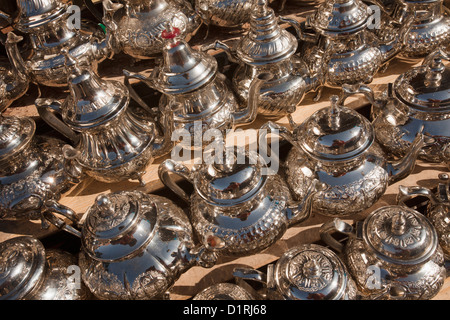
(248, 115)
(400, 169)
(14, 55)
(299, 211)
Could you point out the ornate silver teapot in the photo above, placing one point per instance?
(305, 272)
(196, 91)
(338, 38)
(29, 271)
(438, 208)
(111, 142)
(13, 78)
(430, 27)
(136, 245)
(140, 23)
(237, 208)
(231, 14)
(33, 174)
(45, 24)
(418, 100)
(392, 254)
(337, 146)
(269, 48)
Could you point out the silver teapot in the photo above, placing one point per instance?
(136, 245)
(304, 272)
(140, 23)
(269, 48)
(228, 15)
(393, 254)
(196, 91)
(430, 26)
(13, 78)
(418, 100)
(338, 38)
(111, 142)
(337, 146)
(438, 208)
(236, 207)
(33, 174)
(29, 271)
(45, 24)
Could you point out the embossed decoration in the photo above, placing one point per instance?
(224, 291)
(400, 235)
(310, 271)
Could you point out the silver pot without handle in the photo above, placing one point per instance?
(304, 272)
(392, 254)
(336, 145)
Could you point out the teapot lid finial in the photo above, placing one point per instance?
(444, 187)
(334, 120)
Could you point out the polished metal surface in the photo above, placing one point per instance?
(137, 24)
(232, 200)
(111, 143)
(305, 272)
(224, 291)
(336, 146)
(438, 208)
(33, 174)
(135, 246)
(398, 245)
(269, 48)
(417, 101)
(30, 272)
(196, 91)
(44, 24)
(228, 14)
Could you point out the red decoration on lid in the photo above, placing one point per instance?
(170, 33)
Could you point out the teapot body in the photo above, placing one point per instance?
(230, 14)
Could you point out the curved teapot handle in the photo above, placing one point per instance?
(53, 207)
(47, 109)
(352, 89)
(133, 94)
(282, 131)
(169, 166)
(335, 225)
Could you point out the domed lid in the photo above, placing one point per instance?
(340, 17)
(15, 135)
(265, 42)
(115, 226)
(335, 133)
(224, 291)
(310, 272)
(183, 69)
(427, 87)
(22, 265)
(92, 100)
(35, 13)
(400, 235)
(230, 180)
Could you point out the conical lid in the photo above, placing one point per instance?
(266, 42)
(35, 13)
(340, 17)
(310, 272)
(427, 87)
(335, 133)
(400, 235)
(229, 181)
(22, 266)
(183, 69)
(92, 100)
(15, 135)
(115, 227)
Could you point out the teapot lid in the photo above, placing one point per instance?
(338, 17)
(234, 179)
(22, 265)
(335, 133)
(183, 69)
(15, 135)
(265, 42)
(400, 235)
(35, 13)
(92, 100)
(224, 291)
(109, 232)
(310, 272)
(426, 87)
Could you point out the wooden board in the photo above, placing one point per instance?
(197, 278)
